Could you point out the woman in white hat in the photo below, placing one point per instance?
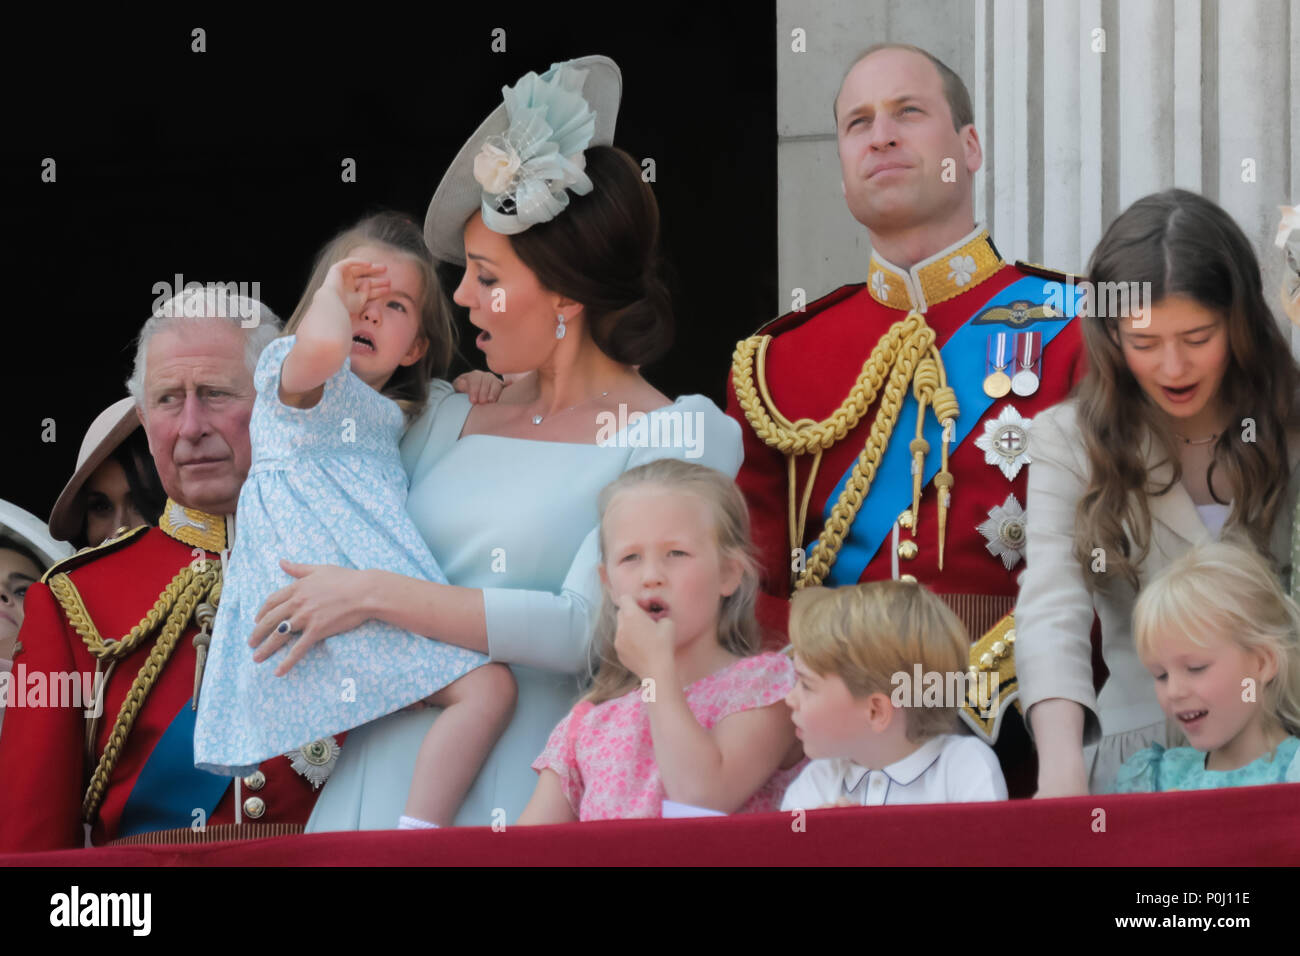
(560, 234)
(115, 485)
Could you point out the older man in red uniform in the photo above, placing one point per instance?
(842, 485)
(126, 616)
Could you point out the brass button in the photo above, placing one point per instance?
(906, 519)
(254, 807)
(907, 578)
(255, 780)
(907, 550)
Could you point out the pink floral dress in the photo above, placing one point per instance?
(604, 754)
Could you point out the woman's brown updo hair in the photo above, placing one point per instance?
(603, 251)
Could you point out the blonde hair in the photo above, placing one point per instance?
(866, 633)
(409, 384)
(737, 626)
(1227, 589)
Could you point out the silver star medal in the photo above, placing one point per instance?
(316, 760)
(1005, 441)
(1005, 531)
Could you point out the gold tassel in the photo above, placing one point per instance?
(943, 483)
(205, 613)
(919, 448)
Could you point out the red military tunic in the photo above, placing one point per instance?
(43, 764)
(812, 362)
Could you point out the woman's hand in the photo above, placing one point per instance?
(644, 646)
(483, 388)
(324, 601)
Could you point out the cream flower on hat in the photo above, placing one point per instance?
(526, 173)
(495, 167)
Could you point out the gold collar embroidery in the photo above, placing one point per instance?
(195, 528)
(949, 273)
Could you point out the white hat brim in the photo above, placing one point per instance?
(459, 195)
(30, 529)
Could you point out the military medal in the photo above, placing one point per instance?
(1005, 441)
(1005, 532)
(315, 761)
(997, 383)
(1028, 347)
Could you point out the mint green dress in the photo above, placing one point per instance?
(516, 518)
(1156, 770)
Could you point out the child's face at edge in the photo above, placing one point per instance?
(17, 574)
(387, 334)
(661, 548)
(1201, 689)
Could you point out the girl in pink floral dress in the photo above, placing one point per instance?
(682, 708)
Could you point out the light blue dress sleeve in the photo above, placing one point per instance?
(1141, 772)
(1293, 771)
(422, 443)
(515, 616)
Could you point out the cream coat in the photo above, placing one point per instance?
(1055, 609)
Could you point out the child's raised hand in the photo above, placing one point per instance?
(482, 387)
(354, 282)
(644, 645)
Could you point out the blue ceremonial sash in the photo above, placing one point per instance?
(891, 491)
(169, 788)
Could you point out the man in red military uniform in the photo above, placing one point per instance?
(841, 484)
(125, 616)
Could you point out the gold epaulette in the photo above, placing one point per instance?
(1047, 272)
(993, 683)
(905, 355)
(90, 554)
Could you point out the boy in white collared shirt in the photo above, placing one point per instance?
(872, 742)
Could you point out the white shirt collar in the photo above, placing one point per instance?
(902, 772)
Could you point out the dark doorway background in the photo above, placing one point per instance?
(225, 166)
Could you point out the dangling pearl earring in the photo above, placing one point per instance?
(559, 329)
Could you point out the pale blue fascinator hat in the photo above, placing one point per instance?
(523, 161)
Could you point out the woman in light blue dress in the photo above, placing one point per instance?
(561, 247)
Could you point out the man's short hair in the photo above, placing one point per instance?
(954, 90)
(195, 307)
